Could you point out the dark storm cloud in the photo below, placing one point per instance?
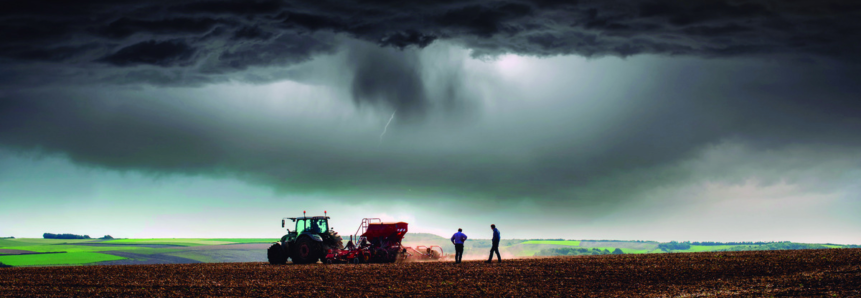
(283, 50)
(163, 53)
(246, 8)
(591, 28)
(252, 32)
(403, 39)
(125, 27)
(194, 44)
(217, 38)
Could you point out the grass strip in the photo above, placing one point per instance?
(72, 258)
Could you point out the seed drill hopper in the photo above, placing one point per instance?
(377, 242)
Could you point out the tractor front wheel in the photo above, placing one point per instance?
(276, 255)
(307, 251)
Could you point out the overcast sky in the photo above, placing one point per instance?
(641, 120)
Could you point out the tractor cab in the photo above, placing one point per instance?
(314, 225)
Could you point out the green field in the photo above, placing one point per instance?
(58, 245)
(554, 242)
(84, 251)
(569, 248)
(6, 243)
(73, 258)
(69, 246)
(190, 241)
(247, 240)
(194, 256)
(59, 248)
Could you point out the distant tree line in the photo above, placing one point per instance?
(485, 243)
(786, 245)
(64, 236)
(106, 237)
(637, 241)
(712, 243)
(10, 237)
(568, 251)
(673, 245)
(845, 245)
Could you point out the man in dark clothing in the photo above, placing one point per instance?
(457, 239)
(495, 247)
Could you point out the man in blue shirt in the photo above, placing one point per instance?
(457, 239)
(495, 247)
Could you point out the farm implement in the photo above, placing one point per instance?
(424, 253)
(373, 242)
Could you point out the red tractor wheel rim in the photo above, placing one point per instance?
(304, 250)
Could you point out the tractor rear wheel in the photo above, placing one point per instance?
(307, 251)
(276, 255)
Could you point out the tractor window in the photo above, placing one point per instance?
(318, 226)
(301, 225)
(315, 226)
(323, 225)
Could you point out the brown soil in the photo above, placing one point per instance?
(21, 252)
(145, 259)
(831, 272)
(13, 252)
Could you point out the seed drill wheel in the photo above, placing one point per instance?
(307, 251)
(276, 255)
(364, 258)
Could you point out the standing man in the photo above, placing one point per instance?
(457, 239)
(495, 247)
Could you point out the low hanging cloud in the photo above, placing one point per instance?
(588, 143)
(623, 134)
(388, 77)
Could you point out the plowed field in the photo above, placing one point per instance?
(832, 272)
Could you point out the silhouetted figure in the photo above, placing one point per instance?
(457, 239)
(495, 247)
(314, 227)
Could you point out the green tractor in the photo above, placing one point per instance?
(307, 243)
